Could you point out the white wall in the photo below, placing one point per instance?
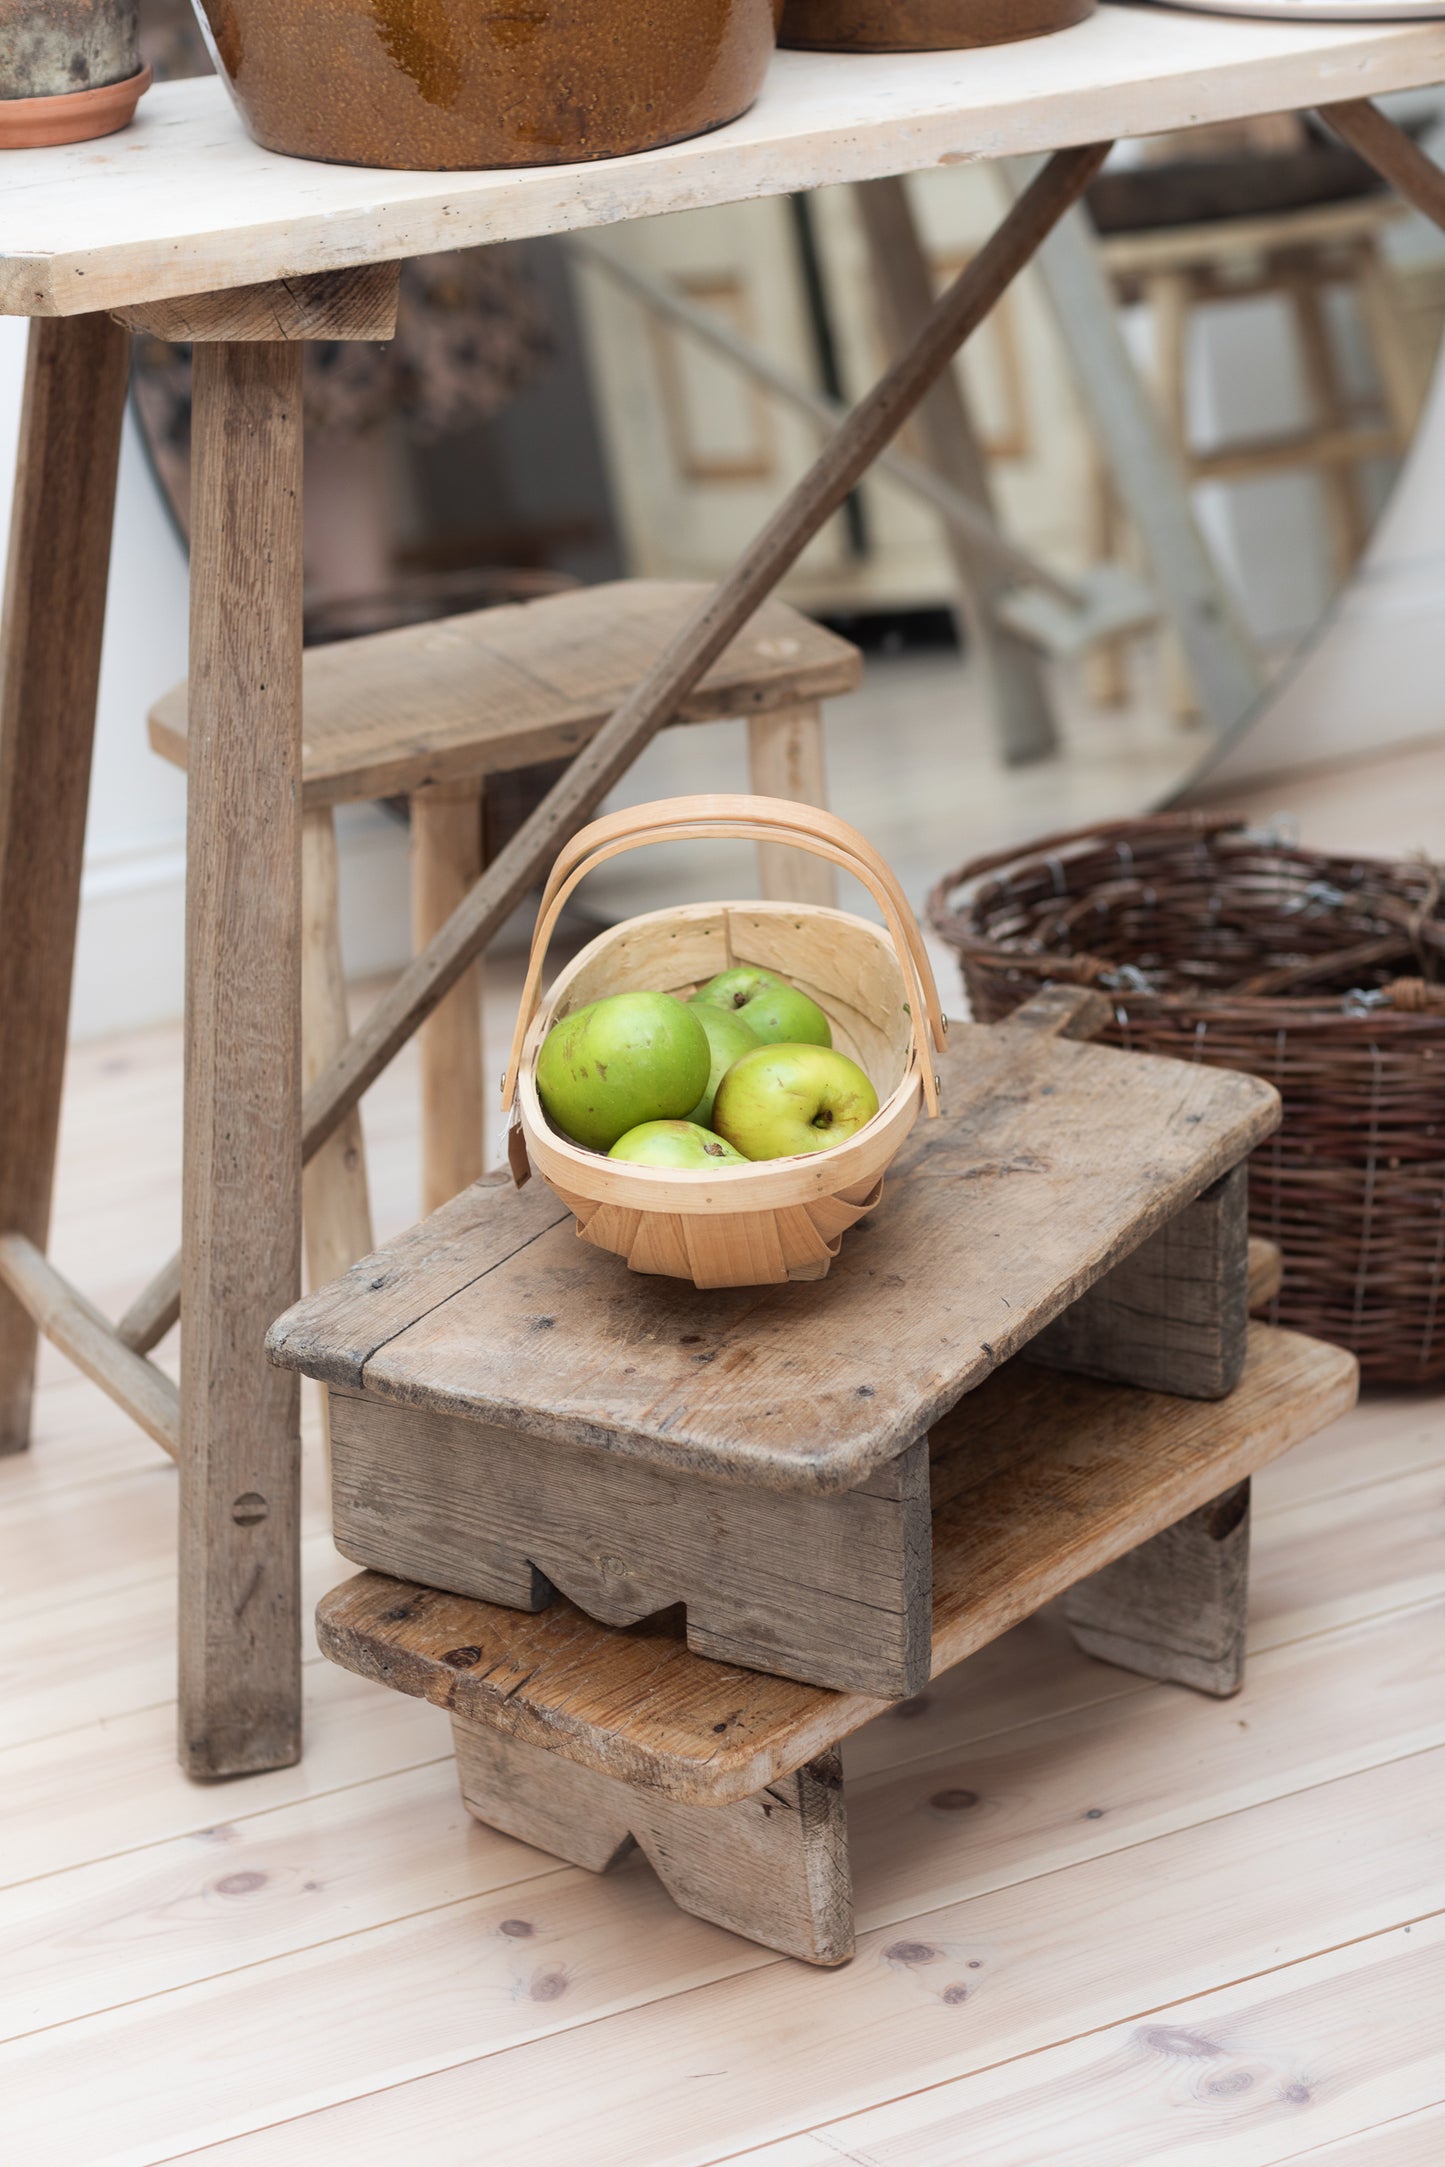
(130, 959)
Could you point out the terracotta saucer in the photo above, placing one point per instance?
(74, 116)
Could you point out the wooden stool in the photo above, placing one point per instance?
(428, 713)
(513, 1416)
(584, 1740)
(1296, 256)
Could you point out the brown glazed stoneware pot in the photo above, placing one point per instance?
(441, 84)
(918, 26)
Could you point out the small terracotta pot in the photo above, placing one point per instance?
(442, 84)
(916, 26)
(69, 70)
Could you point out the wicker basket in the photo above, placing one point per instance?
(1314, 972)
(778, 1219)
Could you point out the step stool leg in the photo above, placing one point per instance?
(1174, 1609)
(336, 1207)
(785, 760)
(773, 1867)
(574, 1813)
(446, 863)
(1174, 1316)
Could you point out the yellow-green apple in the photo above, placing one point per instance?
(676, 1143)
(728, 1038)
(773, 1011)
(628, 1058)
(784, 1100)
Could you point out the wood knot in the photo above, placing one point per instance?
(462, 1658)
(517, 1929)
(242, 1884)
(954, 1801)
(912, 1952)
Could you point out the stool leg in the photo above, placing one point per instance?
(1174, 1609)
(240, 1617)
(1170, 297)
(446, 861)
(1339, 481)
(773, 1867)
(336, 1206)
(785, 760)
(1380, 308)
(49, 669)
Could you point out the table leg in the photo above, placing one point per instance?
(240, 1462)
(49, 670)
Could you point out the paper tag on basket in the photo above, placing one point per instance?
(517, 1158)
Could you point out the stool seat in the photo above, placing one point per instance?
(396, 712)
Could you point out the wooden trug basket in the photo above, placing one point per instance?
(779, 1219)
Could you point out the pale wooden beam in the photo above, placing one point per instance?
(359, 303)
(86, 1338)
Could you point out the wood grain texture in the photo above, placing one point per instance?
(773, 1868)
(201, 206)
(1383, 143)
(994, 1219)
(78, 1329)
(357, 303)
(833, 1590)
(240, 1467)
(785, 760)
(506, 688)
(54, 610)
(1174, 1609)
(336, 1203)
(1173, 1315)
(446, 858)
(1017, 691)
(1050, 1479)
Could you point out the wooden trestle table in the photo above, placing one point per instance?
(182, 227)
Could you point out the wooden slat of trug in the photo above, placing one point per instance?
(993, 1219)
(505, 688)
(1080, 1473)
(54, 610)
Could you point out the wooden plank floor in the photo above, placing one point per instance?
(1101, 1922)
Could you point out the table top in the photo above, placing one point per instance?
(183, 202)
(1052, 1161)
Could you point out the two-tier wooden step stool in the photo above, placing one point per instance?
(430, 713)
(516, 1419)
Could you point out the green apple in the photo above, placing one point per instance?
(775, 1012)
(629, 1058)
(784, 1100)
(676, 1143)
(729, 1038)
